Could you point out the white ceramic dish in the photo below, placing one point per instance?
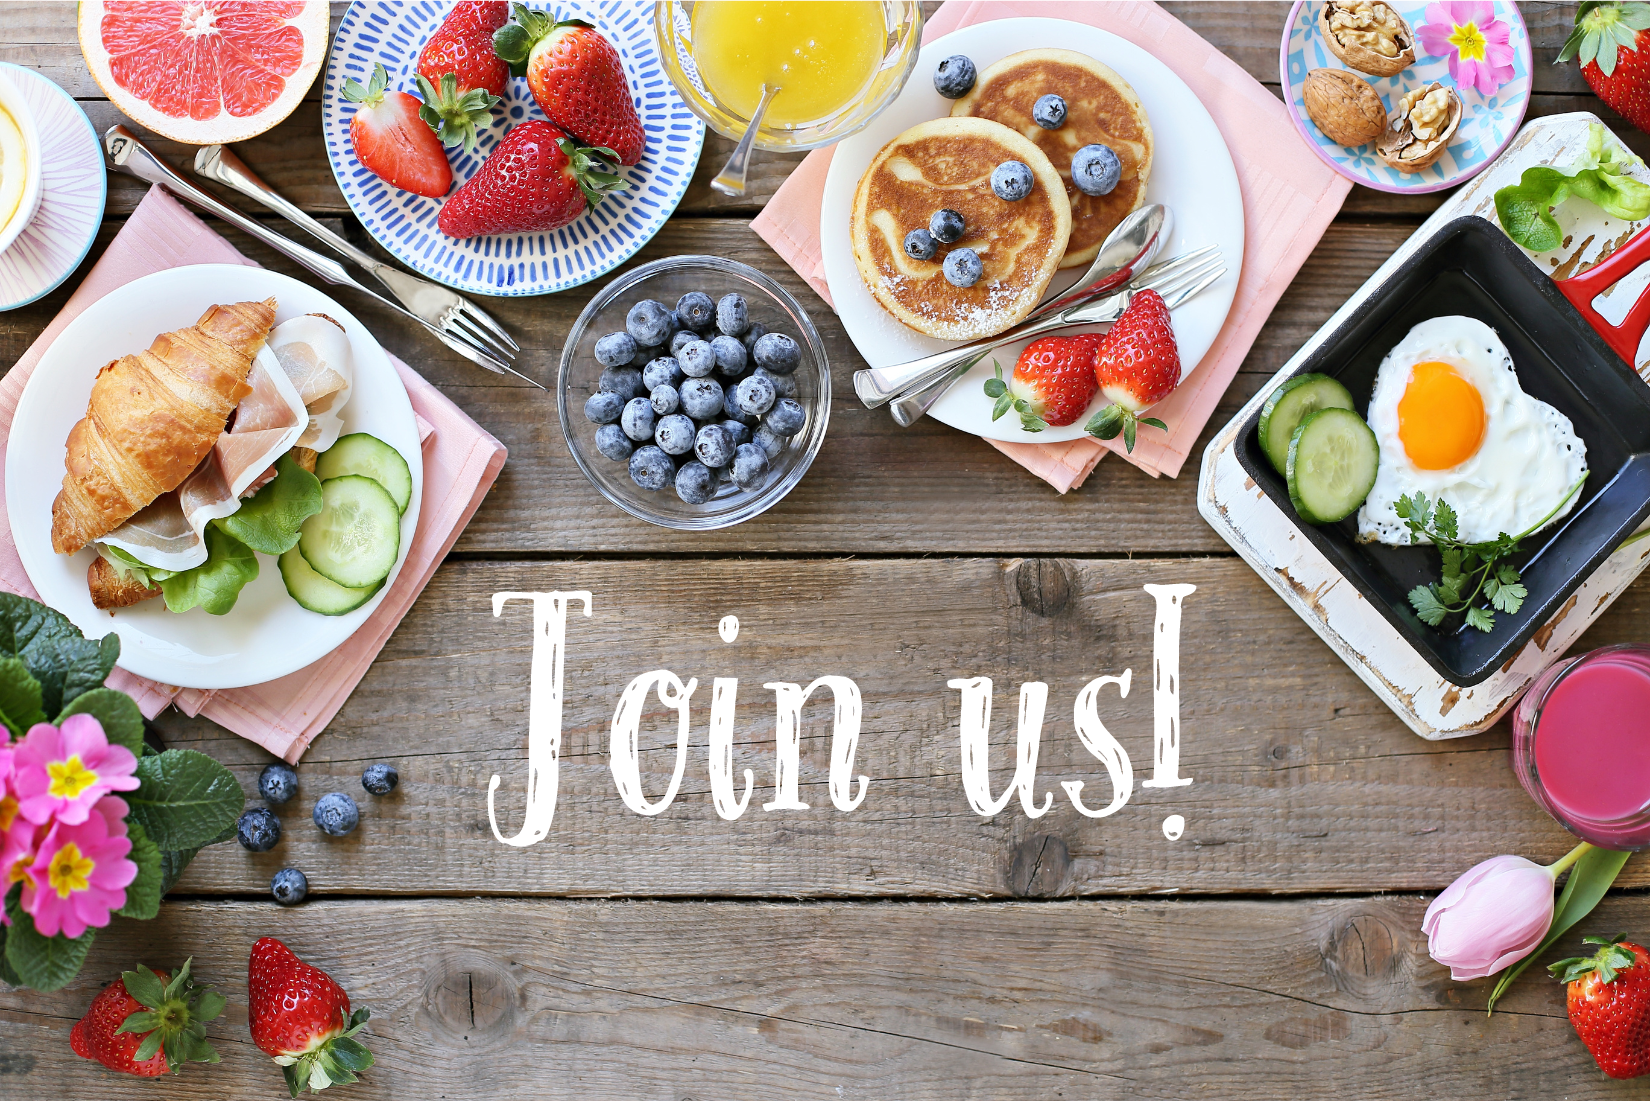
(11, 98)
(267, 635)
(1192, 175)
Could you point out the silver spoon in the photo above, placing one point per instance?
(731, 180)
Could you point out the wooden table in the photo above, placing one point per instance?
(910, 949)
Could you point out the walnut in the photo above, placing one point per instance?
(1368, 35)
(1420, 127)
(1343, 106)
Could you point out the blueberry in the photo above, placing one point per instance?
(1049, 112)
(380, 779)
(651, 468)
(714, 446)
(750, 466)
(682, 340)
(663, 371)
(638, 419)
(336, 814)
(674, 434)
(1011, 181)
(623, 381)
(783, 385)
(615, 349)
(756, 395)
(920, 245)
(695, 483)
(644, 355)
(277, 783)
(648, 322)
(770, 444)
(1095, 170)
(946, 225)
(963, 267)
(786, 418)
(702, 398)
(778, 353)
(738, 431)
(613, 443)
(289, 886)
(603, 407)
(730, 356)
(731, 410)
(697, 359)
(696, 310)
(665, 399)
(954, 77)
(756, 332)
(258, 830)
(732, 315)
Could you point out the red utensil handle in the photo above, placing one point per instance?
(1582, 289)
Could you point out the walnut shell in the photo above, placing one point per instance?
(1343, 106)
(1367, 30)
(1402, 147)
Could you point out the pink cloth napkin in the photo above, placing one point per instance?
(1289, 199)
(461, 461)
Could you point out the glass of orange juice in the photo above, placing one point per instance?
(837, 63)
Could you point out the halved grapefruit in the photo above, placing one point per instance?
(204, 71)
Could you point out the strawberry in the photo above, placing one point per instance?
(577, 78)
(392, 141)
(1137, 365)
(1052, 383)
(1620, 79)
(301, 1019)
(536, 179)
(463, 46)
(145, 1025)
(1608, 996)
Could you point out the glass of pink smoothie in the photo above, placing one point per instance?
(1581, 745)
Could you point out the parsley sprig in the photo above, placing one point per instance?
(1471, 571)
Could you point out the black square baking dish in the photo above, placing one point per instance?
(1471, 268)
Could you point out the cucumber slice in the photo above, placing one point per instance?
(1291, 403)
(315, 592)
(1331, 468)
(371, 457)
(353, 541)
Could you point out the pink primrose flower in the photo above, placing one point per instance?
(60, 773)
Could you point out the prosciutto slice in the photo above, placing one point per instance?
(315, 354)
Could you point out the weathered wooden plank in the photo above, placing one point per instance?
(1304, 781)
(595, 1000)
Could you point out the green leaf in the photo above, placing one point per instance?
(143, 893)
(7, 975)
(216, 583)
(1452, 560)
(185, 799)
(1426, 605)
(270, 520)
(995, 388)
(1481, 618)
(1589, 879)
(210, 1006)
(1443, 519)
(1005, 402)
(19, 697)
(1508, 598)
(63, 660)
(45, 963)
(115, 711)
(144, 985)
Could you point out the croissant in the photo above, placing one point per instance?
(111, 589)
(152, 418)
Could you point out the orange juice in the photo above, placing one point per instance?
(820, 53)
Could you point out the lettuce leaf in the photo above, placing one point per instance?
(129, 566)
(216, 583)
(269, 520)
(1525, 208)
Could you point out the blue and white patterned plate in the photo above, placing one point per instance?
(521, 263)
(1488, 123)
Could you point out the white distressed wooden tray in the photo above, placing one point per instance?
(1232, 503)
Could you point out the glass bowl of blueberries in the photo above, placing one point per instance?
(694, 392)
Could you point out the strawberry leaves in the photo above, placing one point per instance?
(337, 1062)
(1601, 30)
(1106, 424)
(997, 389)
(173, 1018)
(590, 167)
(455, 118)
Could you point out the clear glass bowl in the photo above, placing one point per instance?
(666, 281)
(673, 27)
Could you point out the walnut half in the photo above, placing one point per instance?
(1420, 127)
(1343, 106)
(1368, 35)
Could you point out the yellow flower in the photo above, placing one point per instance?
(8, 812)
(1468, 41)
(69, 778)
(69, 871)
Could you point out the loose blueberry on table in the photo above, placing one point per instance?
(289, 886)
(336, 814)
(380, 779)
(258, 830)
(277, 783)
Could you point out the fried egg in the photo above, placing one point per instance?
(1452, 422)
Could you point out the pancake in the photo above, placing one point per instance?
(1101, 109)
(947, 162)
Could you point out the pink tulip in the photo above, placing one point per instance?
(1494, 915)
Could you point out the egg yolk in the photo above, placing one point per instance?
(1440, 417)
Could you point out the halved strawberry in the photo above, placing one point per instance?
(1052, 383)
(392, 141)
(1137, 365)
(578, 79)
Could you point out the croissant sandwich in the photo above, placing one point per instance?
(176, 439)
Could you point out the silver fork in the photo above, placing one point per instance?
(443, 308)
(913, 387)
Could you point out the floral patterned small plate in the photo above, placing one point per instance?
(1489, 120)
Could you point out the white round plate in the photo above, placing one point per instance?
(392, 34)
(266, 635)
(1192, 175)
(73, 187)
